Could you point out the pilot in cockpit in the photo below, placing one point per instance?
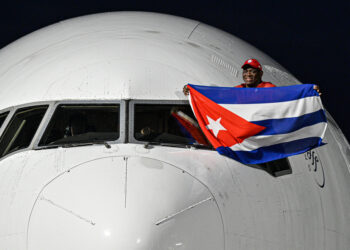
(77, 125)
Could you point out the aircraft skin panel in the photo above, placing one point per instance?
(264, 203)
(270, 211)
(37, 193)
(89, 58)
(236, 50)
(276, 219)
(334, 195)
(25, 174)
(341, 140)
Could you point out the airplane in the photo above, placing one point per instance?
(91, 157)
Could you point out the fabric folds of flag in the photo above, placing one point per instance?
(189, 127)
(257, 125)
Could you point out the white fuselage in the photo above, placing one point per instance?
(127, 195)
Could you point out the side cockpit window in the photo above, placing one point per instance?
(278, 167)
(167, 123)
(3, 117)
(21, 129)
(75, 124)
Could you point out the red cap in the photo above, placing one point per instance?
(252, 63)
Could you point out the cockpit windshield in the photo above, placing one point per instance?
(167, 123)
(21, 129)
(73, 123)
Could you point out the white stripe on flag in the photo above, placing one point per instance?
(276, 110)
(256, 142)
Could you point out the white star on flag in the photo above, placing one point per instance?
(215, 126)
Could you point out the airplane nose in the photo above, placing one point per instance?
(125, 203)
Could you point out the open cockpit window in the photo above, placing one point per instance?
(167, 123)
(21, 129)
(278, 167)
(3, 117)
(80, 123)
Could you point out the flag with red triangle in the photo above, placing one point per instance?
(256, 125)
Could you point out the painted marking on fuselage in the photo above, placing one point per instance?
(43, 198)
(315, 166)
(181, 211)
(126, 179)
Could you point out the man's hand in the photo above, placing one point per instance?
(186, 90)
(317, 88)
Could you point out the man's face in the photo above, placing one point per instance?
(252, 76)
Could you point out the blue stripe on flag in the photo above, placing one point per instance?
(274, 152)
(185, 132)
(231, 95)
(287, 125)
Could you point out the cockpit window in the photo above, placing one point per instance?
(73, 123)
(21, 129)
(167, 123)
(3, 117)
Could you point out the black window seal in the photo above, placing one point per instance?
(10, 112)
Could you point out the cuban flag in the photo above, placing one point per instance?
(257, 125)
(189, 127)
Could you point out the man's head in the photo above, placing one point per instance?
(252, 72)
(78, 124)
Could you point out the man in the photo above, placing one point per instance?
(252, 77)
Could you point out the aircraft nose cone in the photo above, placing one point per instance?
(125, 203)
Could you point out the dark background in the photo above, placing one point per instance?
(309, 38)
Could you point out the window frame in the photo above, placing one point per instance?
(131, 105)
(127, 112)
(54, 106)
(4, 113)
(12, 111)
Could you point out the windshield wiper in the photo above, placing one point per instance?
(198, 146)
(150, 143)
(105, 143)
(75, 144)
(48, 147)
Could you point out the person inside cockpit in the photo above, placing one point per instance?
(77, 125)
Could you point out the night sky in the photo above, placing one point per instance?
(309, 38)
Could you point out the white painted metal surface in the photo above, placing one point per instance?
(124, 55)
(132, 197)
(125, 203)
